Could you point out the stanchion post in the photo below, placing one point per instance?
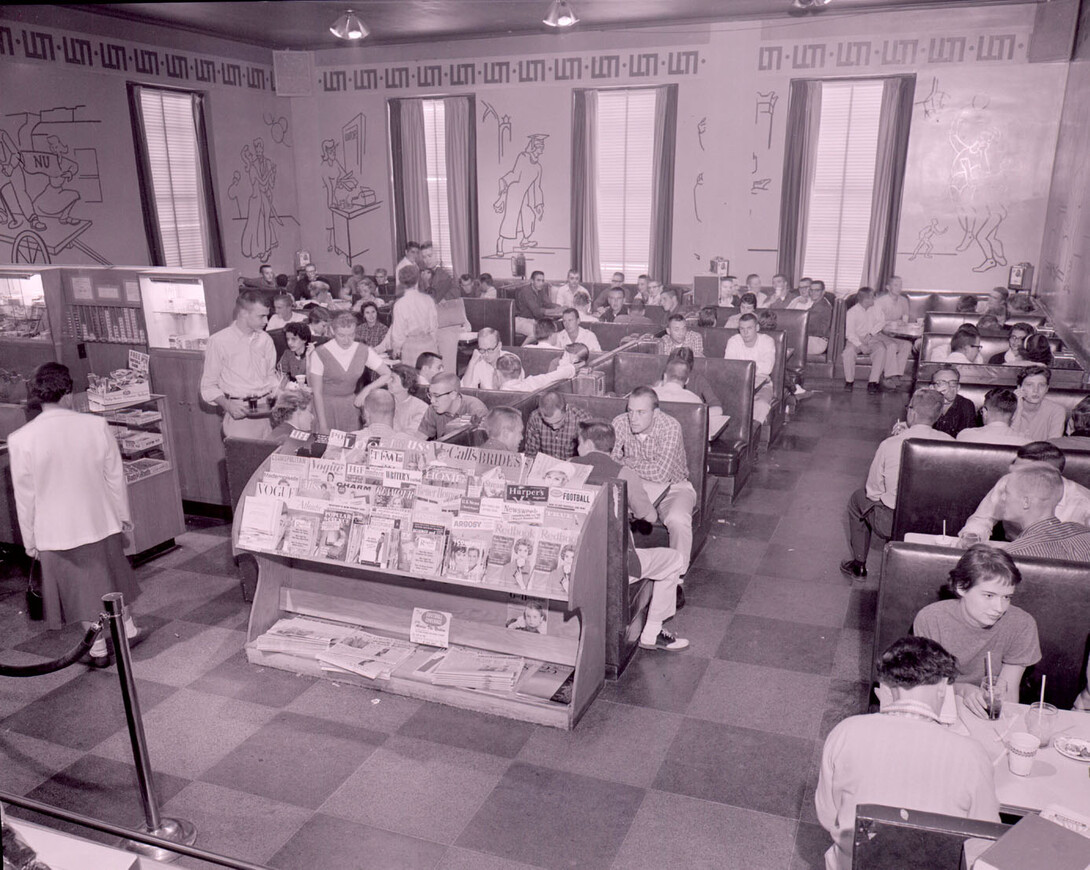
(174, 830)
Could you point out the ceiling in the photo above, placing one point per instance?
(305, 25)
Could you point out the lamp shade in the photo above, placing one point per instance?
(560, 14)
(350, 27)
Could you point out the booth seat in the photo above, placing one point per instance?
(610, 335)
(990, 345)
(922, 301)
(793, 325)
(733, 454)
(1055, 593)
(496, 313)
(947, 323)
(946, 480)
(838, 339)
(892, 838)
(1068, 398)
(1066, 375)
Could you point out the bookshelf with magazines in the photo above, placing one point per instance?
(372, 557)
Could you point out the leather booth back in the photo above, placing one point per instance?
(496, 313)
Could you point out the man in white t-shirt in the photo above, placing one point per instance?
(564, 294)
(283, 313)
(750, 344)
(672, 388)
(574, 332)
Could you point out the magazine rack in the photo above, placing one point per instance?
(382, 602)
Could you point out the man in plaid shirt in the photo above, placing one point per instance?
(650, 443)
(678, 335)
(553, 427)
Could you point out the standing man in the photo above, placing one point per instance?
(415, 326)
(903, 756)
(411, 257)
(870, 509)
(240, 365)
(532, 302)
(573, 332)
(650, 443)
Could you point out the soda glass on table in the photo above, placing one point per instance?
(993, 701)
(1041, 721)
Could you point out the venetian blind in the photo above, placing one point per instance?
(838, 223)
(625, 150)
(435, 149)
(173, 154)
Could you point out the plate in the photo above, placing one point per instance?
(1076, 748)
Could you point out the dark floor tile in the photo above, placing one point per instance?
(742, 524)
(83, 712)
(741, 555)
(757, 640)
(737, 766)
(237, 678)
(660, 680)
(325, 841)
(219, 559)
(843, 458)
(806, 561)
(706, 586)
(207, 525)
(799, 443)
(300, 760)
(756, 498)
(845, 698)
(102, 789)
(780, 479)
(227, 610)
(553, 819)
(862, 607)
(467, 729)
(811, 842)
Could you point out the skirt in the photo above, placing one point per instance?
(341, 413)
(74, 581)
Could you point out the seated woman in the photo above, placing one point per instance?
(335, 369)
(409, 408)
(746, 305)
(1037, 350)
(319, 293)
(706, 317)
(295, 407)
(544, 334)
(367, 293)
(981, 619)
(319, 320)
(966, 304)
(1016, 340)
(293, 361)
(370, 331)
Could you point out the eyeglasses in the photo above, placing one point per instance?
(488, 349)
(977, 346)
(945, 383)
(435, 397)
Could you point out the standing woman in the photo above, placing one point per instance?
(335, 368)
(73, 506)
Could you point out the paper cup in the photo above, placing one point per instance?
(1022, 749)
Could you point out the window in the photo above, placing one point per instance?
(625, 152)
(435, 149)
(173, 162)
(839, 217)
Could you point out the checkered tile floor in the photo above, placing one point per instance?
(705, 758)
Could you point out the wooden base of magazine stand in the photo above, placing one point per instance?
(383, 602)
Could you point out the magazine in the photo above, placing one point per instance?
(511, 556)
(429, 548)
(366, 654)
(334, 531)
(547, 470)
(555, 560)
(467, 553)
(528, 614)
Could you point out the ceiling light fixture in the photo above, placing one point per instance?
(349, 27)
(560, 14)
(811, 5)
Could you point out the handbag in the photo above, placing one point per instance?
(35, 603)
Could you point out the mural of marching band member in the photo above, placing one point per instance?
(259, 234)
(521, 201)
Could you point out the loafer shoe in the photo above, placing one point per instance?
(853, 569)
(667, 641)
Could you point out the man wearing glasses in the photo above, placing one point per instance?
(957, 412)
(448, 409)
(480, 374)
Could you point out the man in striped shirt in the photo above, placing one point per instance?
(1029, 498)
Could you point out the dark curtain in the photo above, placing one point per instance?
(584, 227)
(662, 200)
(800, 154)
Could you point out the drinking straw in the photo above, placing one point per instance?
(1041, 706)
(991, 682)
(944, 528)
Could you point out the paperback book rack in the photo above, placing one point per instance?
(434, 571)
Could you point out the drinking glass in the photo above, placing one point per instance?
(993, 702)
(1041, 721)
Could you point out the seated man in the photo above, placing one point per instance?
(728, 293)
(283, 313)
(754, 286)
(670, 300)
(573, 332)
(782, 295)
(1037, 417)
(1078, 428)
(672, 388)
(635, 314)
(1016, 341)
(964, 347)
(1028, 498)
(653, 296)
(870, 510)
(696, 383)
(379, 407)
(428, 367)
(747, 304)
(553, 427)
(812, 298)
(532, 301)
(1074, 506)
(903, 756)
(564, 294)
(958, 413)
(1000, 403)
(750, 344)
(650, 443)
(616, 281)
(678, 335)
(480, 373)
(510, 374)
(661, 565)
(503, 426)
(615, 306)
(581, 303)
(449, 409)
(863, 334)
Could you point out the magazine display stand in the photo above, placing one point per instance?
(348, 596)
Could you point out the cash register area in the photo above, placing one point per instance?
(706, 758)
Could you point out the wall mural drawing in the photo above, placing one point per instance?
(520, 200)
(42, 179)
(349, 201)
(233, 191)
(934, 102)
(978, 186)
(925, 245)
(701, 129)
(696, 204)
(766, 105)
(503, 128)
(278, 129)
(259, 230)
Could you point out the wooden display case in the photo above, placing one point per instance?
(382, 602)
(103, 318)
